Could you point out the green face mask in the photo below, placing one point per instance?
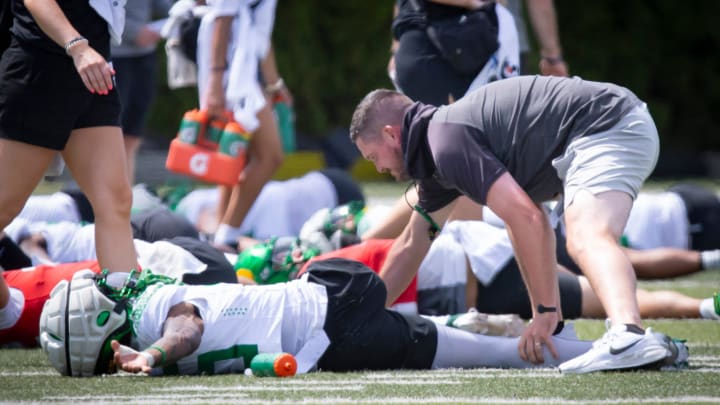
(344, 217)
(275, 261)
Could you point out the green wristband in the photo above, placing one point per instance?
(163, 354)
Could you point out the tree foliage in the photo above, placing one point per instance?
(331, 53)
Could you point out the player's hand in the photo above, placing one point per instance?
(129, 359)
(538, 335)
(95, 72)
(553, 68)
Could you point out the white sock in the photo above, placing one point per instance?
(710, 259)
(707, 309)
(460, 349)
(227, 234)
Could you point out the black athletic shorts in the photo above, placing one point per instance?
(219, 269)
(364, 335)
(703, 210)
(507, 294)
(423, 74)
(42, 98)
(135, 77)
(161, 223)
(346, 189)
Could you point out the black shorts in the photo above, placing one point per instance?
(161, 223)
(219, 269)
(423, 75)
(364, 335)
(42, 99)
(135, 77)
(507, 294)
(703, 210)
(346, 188)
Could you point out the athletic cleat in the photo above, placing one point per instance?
(679, 357)
(492, 325)
(619, 349)
(716, 303)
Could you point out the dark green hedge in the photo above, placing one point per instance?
(332, 52)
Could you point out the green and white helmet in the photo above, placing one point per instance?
(275, 261)
(83, 315)
(77, 324)
(344, 218)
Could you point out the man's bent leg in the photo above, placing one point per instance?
(594, 225)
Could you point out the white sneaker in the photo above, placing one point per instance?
(619, 349)
(488, 324)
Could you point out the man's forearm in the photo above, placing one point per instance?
(535, 254)
(544, 23)
(404, 259)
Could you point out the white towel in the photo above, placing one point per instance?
(249, 43)
(113, 12)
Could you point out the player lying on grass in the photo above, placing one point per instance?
(24, 291)
(465, 250)
(331, 319)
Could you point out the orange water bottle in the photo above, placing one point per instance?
(273, 365)
(192, 126)
(234, 140)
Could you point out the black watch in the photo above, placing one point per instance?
(542, 309)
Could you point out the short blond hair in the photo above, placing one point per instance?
(378, 108)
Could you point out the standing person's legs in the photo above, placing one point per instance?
(21, 168)
(264, 157)
(135, 78)
(594, 225)
(91, 156)
(602, 174)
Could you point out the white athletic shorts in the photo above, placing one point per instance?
(620, 158)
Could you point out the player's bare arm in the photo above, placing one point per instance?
(182, 332)
(409, 249)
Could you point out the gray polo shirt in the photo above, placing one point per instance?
(517, 125)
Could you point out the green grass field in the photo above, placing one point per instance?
(25, 375)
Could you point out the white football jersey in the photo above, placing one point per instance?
(239, 321)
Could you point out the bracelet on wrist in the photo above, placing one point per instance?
(74, 42)
(275, 87)
(218, 68)
(149, 358)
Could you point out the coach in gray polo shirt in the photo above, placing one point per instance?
(512, 145)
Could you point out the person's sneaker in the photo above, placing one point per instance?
(619, 349)
(487, 324)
